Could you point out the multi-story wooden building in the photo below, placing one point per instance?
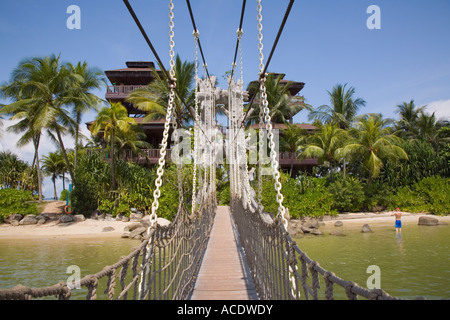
(140, 73)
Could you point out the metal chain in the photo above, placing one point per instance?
(264, 110)
(196, 126)
(162, 159)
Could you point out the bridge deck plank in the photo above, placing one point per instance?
(224, 273)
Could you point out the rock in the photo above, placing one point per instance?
(41, 219)
(14, 217)
(125, 219)
(14, 223)
(66, 218)
(163, 222)
(366, 228)
(135, 217)
(95, 214)
(109, 217)
(316, 232)
(29, 219)
(125, 235)
(337, 233)
(306, 230)
(107, 229)
(79, 218)
(428, 221)
(338, 224)
(137, 232)
(132, 226)
(313, 224)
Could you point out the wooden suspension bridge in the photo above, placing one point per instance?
(238, 252)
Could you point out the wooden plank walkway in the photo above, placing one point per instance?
(224, 274)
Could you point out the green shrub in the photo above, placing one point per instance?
(304, 196)
(14, 201)
(431, 195)
(379, 196)
(348, 195)
(63, 196)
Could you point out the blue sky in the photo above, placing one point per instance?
(324, 43)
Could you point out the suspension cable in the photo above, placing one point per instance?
(238, 39)
(280, 30)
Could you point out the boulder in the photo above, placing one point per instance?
(163, 222)
(109, 217)
(135, 217)
(14, 217)
(316, 232)
(132, 226)
(125, 219)
(79, 218)
(125, 235)
(14, 223)
(95, 214)
(107, 229)
(428, 221)
(29, 219)
(338, 224)
(306, 229)
(137, 233)
(67, 218)
(366, 228)
(41, 219)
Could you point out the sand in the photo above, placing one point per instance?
(53, 229)
(96, 228)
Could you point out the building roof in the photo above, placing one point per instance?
(136, 73)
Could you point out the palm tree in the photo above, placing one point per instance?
(110, 121)
(373, 143)
(11, 169)
(85, 100)
(291, 139)
(409, 115)
(428, 128)
(45, 87)
(343, 107)
(325, 145)
(283, 107)
(53, 165)
(153, 98)
(27, 126)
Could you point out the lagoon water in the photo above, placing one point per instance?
(417, 264)
(44, 262)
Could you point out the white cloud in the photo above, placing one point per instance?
(441, 108)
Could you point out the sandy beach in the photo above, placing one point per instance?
(102, 228)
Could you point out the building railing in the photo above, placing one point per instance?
(153, 155)
(121, 89)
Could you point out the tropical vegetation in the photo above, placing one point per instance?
(365, 161)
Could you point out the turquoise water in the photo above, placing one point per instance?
(44, 262)
(417, 263)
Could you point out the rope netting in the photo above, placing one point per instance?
(162, 267)
(280, 269)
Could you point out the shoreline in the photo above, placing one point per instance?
(95, 228)
(77, 230)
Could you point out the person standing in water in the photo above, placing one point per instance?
(398, 220)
